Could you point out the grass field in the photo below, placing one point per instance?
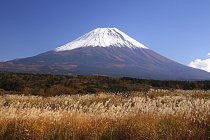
(161, 114)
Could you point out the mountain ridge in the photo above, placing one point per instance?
(119, 57)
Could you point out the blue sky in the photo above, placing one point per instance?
(177, 29)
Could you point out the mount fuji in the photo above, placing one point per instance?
(105, 51)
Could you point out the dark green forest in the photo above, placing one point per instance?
(52, 85)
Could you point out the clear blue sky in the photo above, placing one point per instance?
(177, 29)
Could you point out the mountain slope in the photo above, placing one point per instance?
(106, 51)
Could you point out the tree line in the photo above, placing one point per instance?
(51, 85)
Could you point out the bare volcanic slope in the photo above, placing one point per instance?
(105, 51)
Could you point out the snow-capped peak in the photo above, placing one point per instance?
(102, 37)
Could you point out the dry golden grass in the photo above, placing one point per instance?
(161, 114)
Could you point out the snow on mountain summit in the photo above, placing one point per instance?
(102, 37)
